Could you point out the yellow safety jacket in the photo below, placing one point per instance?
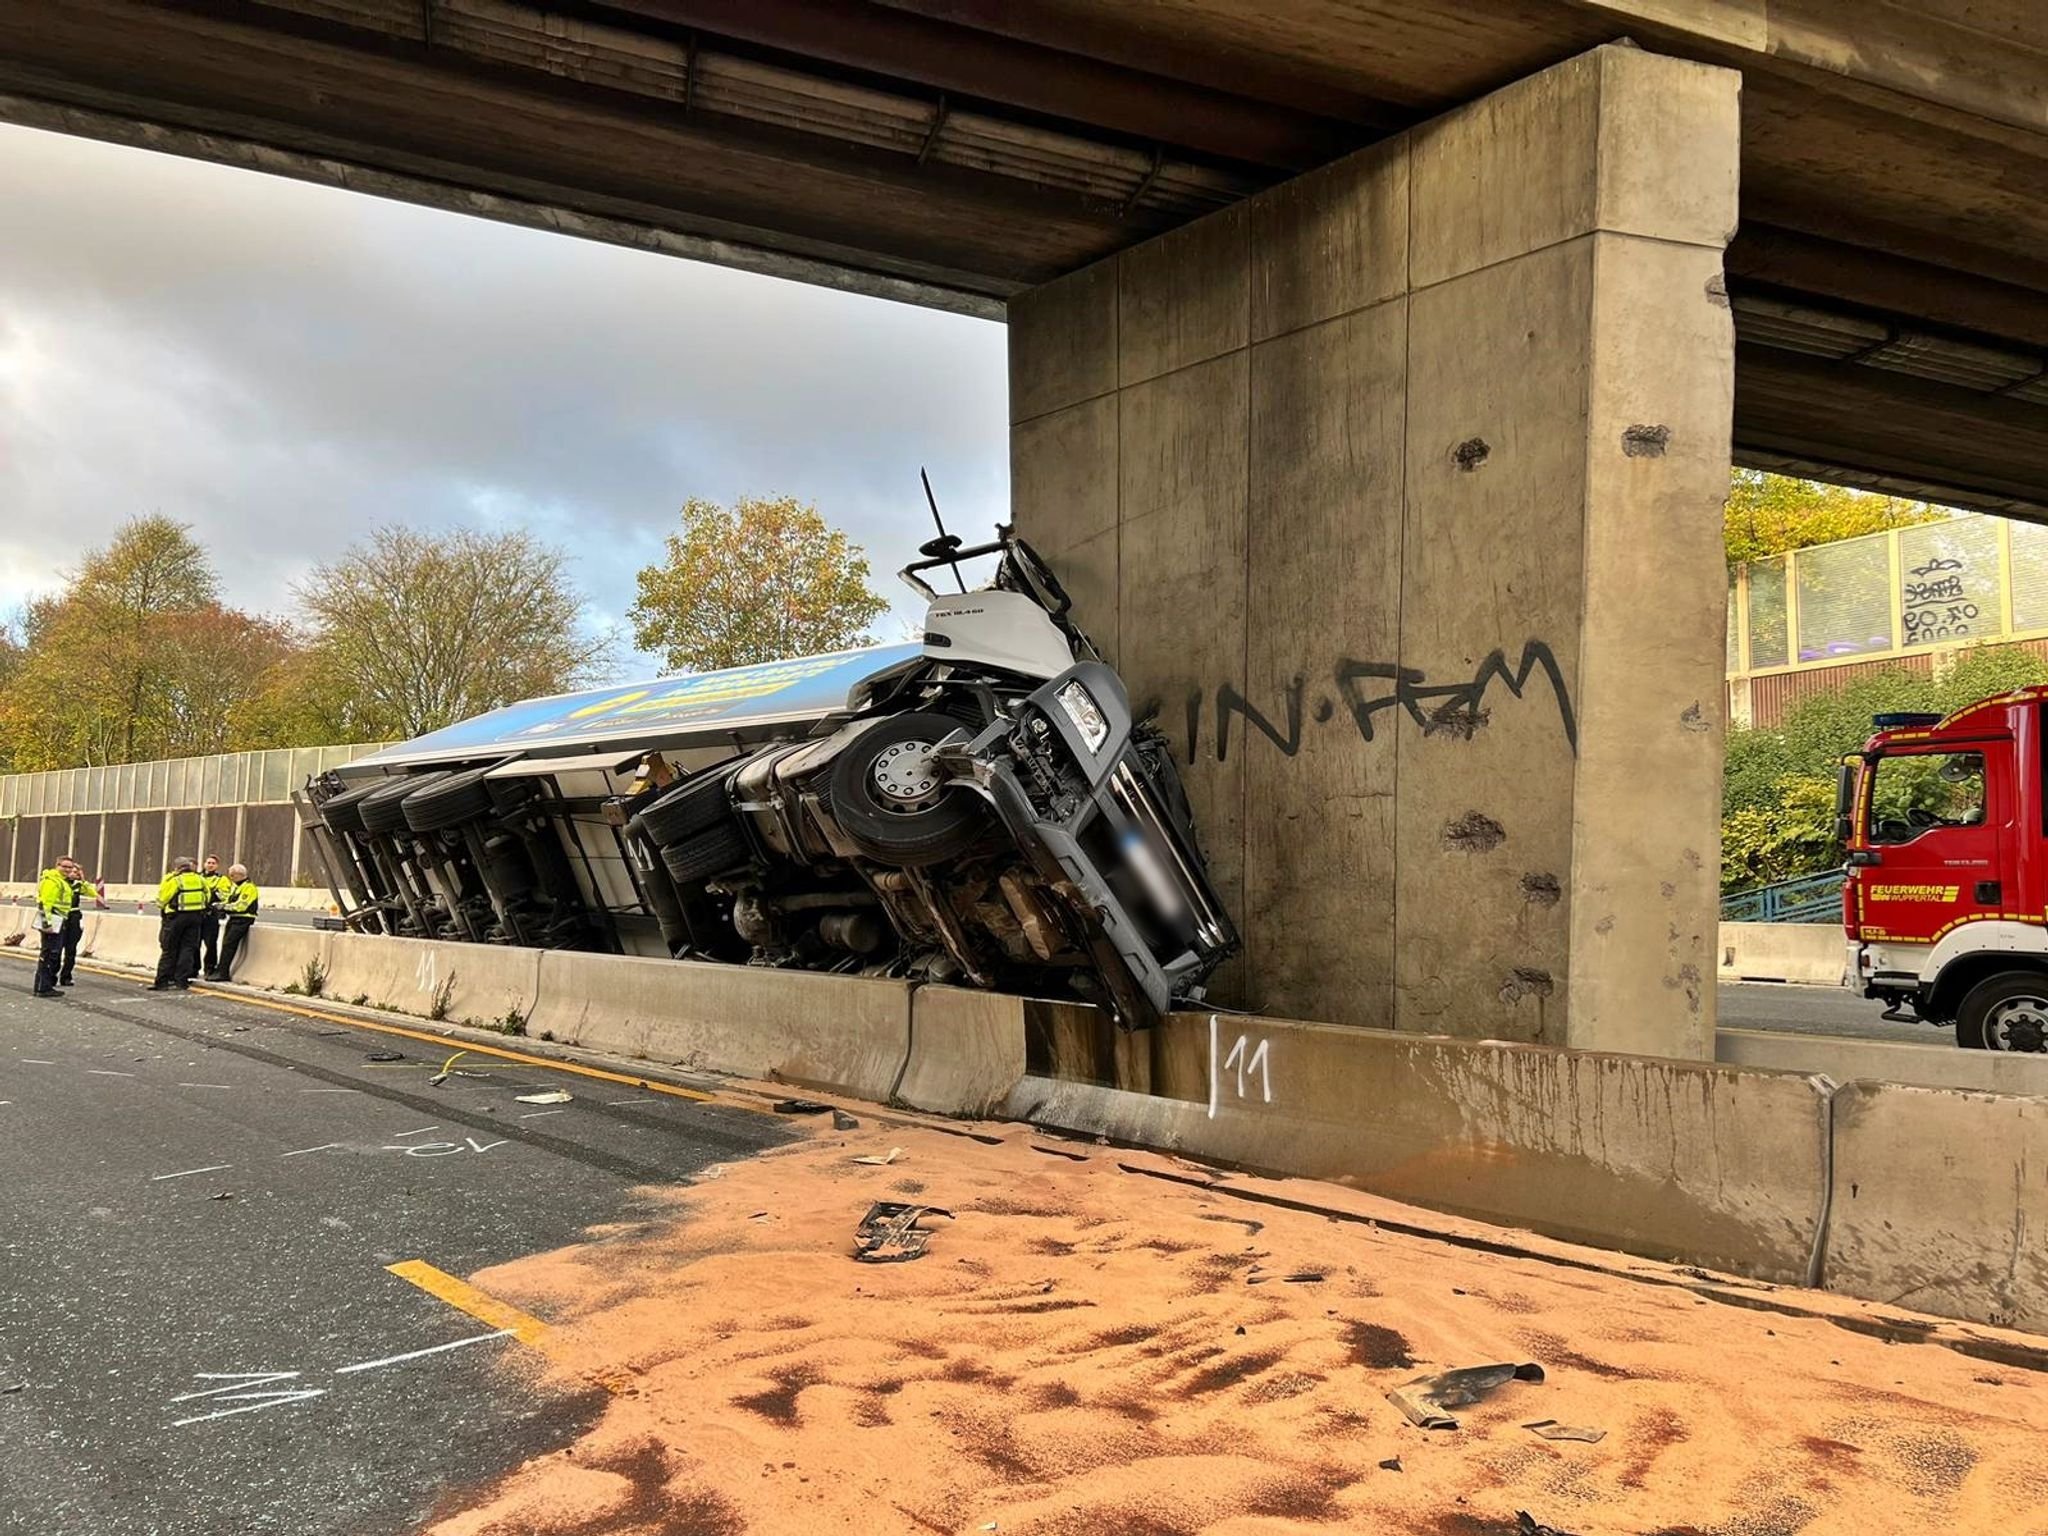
(217, 889)
(242, 899)
(182, 891)
(54, 893)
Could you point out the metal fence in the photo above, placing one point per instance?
(229, 778)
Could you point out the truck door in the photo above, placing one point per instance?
(1938, 839)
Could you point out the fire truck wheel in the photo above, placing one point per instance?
(2005, 1012)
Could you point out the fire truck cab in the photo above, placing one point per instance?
(1946, 825)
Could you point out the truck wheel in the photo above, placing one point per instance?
(446, 804)
(687, 810)
(890, 800)
(382, 810)
(696, 859)
(343, 812)
(2006, 1012)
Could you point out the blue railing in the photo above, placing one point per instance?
(1808, 899)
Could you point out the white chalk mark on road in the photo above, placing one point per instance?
(106, 1072)
(256, 1402)
(542, 1114)
(476, 1146)
(205, 1085)
(187, 1173)
(401, 1135)
(233, 1381)
(615, 1103)
(330, 1090)
(371, 1365)
(304, 1150)
(36, 1061)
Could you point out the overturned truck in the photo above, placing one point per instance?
(977, 808)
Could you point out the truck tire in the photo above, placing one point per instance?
(449, 803)
(890, 801)
(383, 810)
(343, 812)
(687, 810)
(717, 852)
(2005, 1012)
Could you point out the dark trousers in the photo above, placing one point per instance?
(74, 929)
(233, 938)
(46, 963)
(178, 941)
(209, 942)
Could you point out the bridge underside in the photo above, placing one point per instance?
(1888, 279)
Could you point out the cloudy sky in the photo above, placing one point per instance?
(285, 367)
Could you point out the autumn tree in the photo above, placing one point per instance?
(413, 631)
(760, 581)
(1768, 514)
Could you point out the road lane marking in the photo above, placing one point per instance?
(106, 1072)
(372, 1365)
(205, 1085)
(304, 1150)
(209, 1168)
(36, 1061)
(464, 1297)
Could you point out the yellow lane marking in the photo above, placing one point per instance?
(464, 1297)
(598, 1074)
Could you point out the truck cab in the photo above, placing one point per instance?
(1945, 822)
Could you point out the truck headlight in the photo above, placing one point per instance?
(1087, 716)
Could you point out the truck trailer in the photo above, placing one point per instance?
(976, 807)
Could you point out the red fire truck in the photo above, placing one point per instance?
(1946, 825)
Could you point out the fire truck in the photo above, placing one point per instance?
(1945, 820)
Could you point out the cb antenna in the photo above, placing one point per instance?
(945, 539)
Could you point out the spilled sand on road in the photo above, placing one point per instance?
(1092, 1350)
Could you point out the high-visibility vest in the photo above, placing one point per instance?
(54, 893)
(217, 888)
(242, 899)
(182, 891)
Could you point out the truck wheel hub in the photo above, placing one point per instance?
(906, 776)
(2020, 1024)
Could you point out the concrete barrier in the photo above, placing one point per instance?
(277, 957)
(1809, 952)
(122, 938)
(467, 983)
(280, 898)
(1846, 1058)
(844, 1033)
(1939, 1202)
(1673, 1160)
(966, 1050)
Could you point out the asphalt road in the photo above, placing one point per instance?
(1815, 1011)
(198, 1332)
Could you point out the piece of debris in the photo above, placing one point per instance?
(1299, 1277)
(19, 1386)
(226, 1194)
(447, 1070)
(800, 1107)
(1391, 1464)
(1427, 1399)
(1527, 1524)
(1550, 1429)
(842, 1121)
(385, 1056)
(881, 1159)
(13, 941)
(550, 1096)
(890, 1234)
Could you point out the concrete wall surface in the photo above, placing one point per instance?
(1940, 1198)
(285, 898)
(1675, 1160)
(1936, 1064)
(1394, 490)
(967, 1050)
(470, 983)
(1808, 952)
(847, 1033)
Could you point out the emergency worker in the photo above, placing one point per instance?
(239, 912)
(217, 887)
(55, 901)
(82, 891)
(182, 900)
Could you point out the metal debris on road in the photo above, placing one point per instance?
(1550, 1429)
(800, 1107)
(385, 1056)
(19, 1386)
(881, 1159)
(890, 1234)
(447, 1070)
(1527, 1524)
(226, 1194)
(1427, 1399)
(842, 1121)
(550, 1096)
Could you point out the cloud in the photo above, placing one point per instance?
(285, 366)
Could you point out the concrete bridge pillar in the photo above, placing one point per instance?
(1395, 490)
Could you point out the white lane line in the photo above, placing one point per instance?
(209, 1168)
(401, 1135)
(371, 1365)
(330, 1090)
(304, 1150)
(106, 1072)
(541, 1114)
(614, 1103)
(37, 1061)
(205, 1085)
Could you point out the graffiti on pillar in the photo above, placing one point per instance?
(1934, 602)
(1363, 691)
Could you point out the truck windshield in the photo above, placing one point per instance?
(1915, 793)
